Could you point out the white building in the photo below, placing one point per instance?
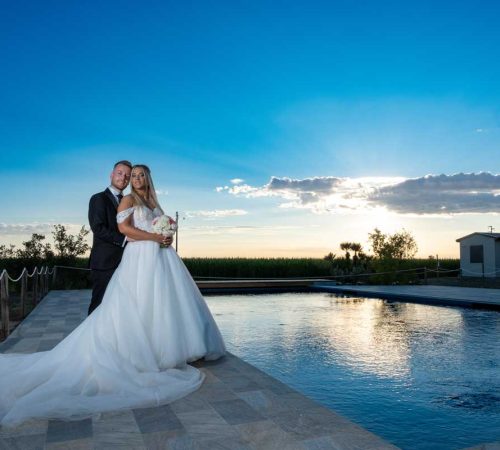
(480, 255)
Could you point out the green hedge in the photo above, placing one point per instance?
(253, 268)
(259, 267)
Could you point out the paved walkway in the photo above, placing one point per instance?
(238, 407)
(438, 295)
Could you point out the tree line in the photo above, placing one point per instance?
(400, 245)
(389, 253)
(397, 246)
(66, 250)
(66, 246)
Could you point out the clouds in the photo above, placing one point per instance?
(33, 227)
(241, 230)
(487, 130)
(430, 194)
(217, 213)
(305, 190)
(442, 194)
(25, 228)
(319, 194)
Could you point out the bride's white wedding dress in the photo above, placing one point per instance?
(132, 351)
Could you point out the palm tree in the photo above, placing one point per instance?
(356, 248)
(346, 246)
(329, 257)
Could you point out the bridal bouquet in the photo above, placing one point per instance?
(164, 225)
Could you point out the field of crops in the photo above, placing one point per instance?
(340, 269)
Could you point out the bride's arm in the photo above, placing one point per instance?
(132, 232)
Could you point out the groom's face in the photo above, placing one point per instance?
(120, 176)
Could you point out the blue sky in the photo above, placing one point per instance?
(370, 93)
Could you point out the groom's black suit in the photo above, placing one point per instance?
(108, 243)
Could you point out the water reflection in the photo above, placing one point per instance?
(413, 373)
(368, 341)
(367, 335)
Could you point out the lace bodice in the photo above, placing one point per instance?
(142, 217)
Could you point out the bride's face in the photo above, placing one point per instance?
(138, 179)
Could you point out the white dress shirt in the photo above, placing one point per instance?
(115, 192)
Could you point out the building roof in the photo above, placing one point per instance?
(495, 236)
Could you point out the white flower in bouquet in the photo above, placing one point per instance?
(165, 225)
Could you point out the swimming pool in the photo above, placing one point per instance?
(420, 376)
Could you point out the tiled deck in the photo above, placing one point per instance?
(238, 407)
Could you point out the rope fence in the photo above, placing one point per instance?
(422, 270)
(418, 270)
(39, 288)
(480, 274)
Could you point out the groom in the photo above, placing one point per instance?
(108, 242)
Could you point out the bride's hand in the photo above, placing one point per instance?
(158, 238)
(165, 240)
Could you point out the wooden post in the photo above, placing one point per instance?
(39, 287)
(35, 286)
(24, 291)
(44, 275)
(46, 280)
(42, 284)
(39, 281)
(177, 233)
(4, 301)
(54, 274)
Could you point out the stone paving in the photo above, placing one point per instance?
(238, 407)
(438, 295)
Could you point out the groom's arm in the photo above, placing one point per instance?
(99, 224)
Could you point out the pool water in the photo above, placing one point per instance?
(420, 376)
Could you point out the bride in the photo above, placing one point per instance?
(133, 350)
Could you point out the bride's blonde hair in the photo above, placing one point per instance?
(151, 197)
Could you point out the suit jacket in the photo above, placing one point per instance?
(107, 246)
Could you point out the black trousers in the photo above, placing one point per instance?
(100, 280)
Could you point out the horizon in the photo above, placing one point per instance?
(275, 130)
(47, 229)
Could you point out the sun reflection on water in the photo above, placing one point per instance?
(368, 335)
(412, 373)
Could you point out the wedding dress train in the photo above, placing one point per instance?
(132, 351)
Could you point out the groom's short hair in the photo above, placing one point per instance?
(123, 162)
